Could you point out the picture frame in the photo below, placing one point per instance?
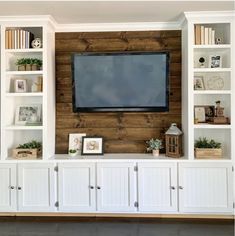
(199, 83)
(214, 82)
(215, 61)
(92, 145)
(20, 86)
(204, 114)
(28, 114)
(75, 141)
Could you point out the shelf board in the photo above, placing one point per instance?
(24, 94)
(212, 92)
(211, 46)
(23, 50)
(37, 72)
(212, 69)
(22, 127)
(211, 126)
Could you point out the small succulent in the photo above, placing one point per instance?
(205, 143)
(154, 144)
(31, 145)
(72, 151)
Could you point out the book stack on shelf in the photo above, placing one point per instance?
(18, 39)
(204, 35)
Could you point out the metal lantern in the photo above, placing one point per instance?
(173, 141)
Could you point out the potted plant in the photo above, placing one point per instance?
(36, 63)
(30, 150)
(21, 64)
(73, 152)
(154, 145)
(205, 148)
(28, 66)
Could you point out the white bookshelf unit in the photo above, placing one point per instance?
(11, 134)
(218, 80)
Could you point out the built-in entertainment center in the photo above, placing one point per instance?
(47, 82)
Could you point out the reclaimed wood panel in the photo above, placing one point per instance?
(122, 132)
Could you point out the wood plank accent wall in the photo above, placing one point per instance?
(122, 132)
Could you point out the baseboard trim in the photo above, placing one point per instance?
(120, 216)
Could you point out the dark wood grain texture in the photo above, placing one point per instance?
(122, 132)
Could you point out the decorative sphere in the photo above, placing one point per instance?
(36, 43)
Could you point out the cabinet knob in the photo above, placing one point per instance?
(19, 188)
(98, 187)
(172, 187)
(180, 187)
(91, 187)
(12, 187)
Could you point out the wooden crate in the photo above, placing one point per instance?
(208, 153)
(25, 153)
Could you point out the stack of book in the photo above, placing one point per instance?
(18, 39)
(204, 35)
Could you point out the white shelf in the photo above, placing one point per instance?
(37, 72)
(211, 126)
(21, 127)
(211, 46)
(212, 92)
(212, 70)
(23, 50)
(24, 94)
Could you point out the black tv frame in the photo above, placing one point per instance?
(121, 109)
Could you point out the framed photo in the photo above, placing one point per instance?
(210, 113)
(92, 146)
(214, 82)
(215, 61)
(75, 141)
(198, 83)
(20, 86)
(199, 114)
(28, 114)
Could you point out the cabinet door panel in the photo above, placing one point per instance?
(157, 187)
(37, 183)
(117, 182)
(206, 187)
(77, 187)
(7, 180)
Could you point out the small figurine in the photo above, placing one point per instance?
(202, 62)
(219, 111)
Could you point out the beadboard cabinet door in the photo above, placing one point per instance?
(157, 187)
(76, 183)
(8, 190)
(36, 187)
(116, 187)
(205, 187)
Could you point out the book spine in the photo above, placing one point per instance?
(21, 39)
(6, 39)
(206, 35)
(213, 37)
(9, 40)
(202, 35)
(18, 38)
(15, 41)
(197, 32)
(210, 35)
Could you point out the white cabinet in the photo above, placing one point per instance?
(36, 187)
(157, 187)
(116, 187)
(7, 187)
(205, 187)
(76, 183)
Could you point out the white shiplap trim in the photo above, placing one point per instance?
(127, 26)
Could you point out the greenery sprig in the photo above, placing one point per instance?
(154, 144)
(31, 145)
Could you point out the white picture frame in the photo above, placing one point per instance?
(199, 83)
(200, 114)
(28, 114)
(20, 86)
(75, 141)
(215, 61)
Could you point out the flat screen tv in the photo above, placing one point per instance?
(133, 81)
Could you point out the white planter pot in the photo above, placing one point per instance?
(156, 153)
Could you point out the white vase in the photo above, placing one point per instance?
(156, 152)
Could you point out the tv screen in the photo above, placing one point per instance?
(120, 82)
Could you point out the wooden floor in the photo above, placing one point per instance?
(112, 227)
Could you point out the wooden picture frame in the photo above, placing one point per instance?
(92, 145)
